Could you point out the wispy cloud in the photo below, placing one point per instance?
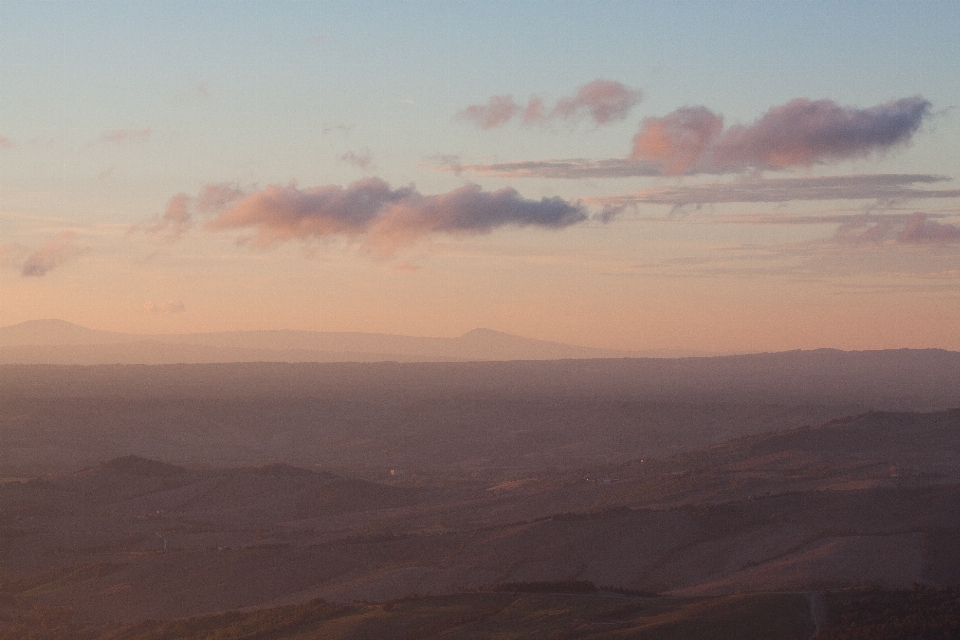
(126, 136)
(342, 128)
(800, 133)
(214, 197)
(692, 140)
(164, 308)
(919, 229)
(362, 160)
(174, 222)
(845, 262)
(571, 169)
(498, 111)
(13, 254)
(177, 218)
(446, 162)
(61, 249)
(602, 101)
(6, 143)
(886, 187)
(915, 229)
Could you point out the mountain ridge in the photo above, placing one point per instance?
(37, 341)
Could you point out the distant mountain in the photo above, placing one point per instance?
(157, 353)
(60, 342)
(58, 332)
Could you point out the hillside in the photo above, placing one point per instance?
(796, 511)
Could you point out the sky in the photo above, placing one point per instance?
(709, 176)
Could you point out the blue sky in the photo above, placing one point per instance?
(110, 110)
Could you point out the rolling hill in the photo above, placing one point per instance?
(797, 511)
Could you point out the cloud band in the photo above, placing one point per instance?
(384, 217)
(800, 133)
(602, 101)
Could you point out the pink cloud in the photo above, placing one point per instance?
(869, 230)
(387, 218)
(916, 229)
(535, 112)
(497, 112)
(122, 136)
(177, 218)
(215, 197)
(282, 213)
(800, 133)
(175, 221)
(603, 101)
(6, 143)
(804, 132)
(919, 229)
(54, 253)
(678, 140)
